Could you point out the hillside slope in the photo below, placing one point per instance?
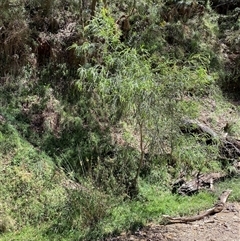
(92, 104)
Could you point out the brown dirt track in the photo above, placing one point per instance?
(223, 226)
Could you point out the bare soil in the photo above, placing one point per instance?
(223, 226)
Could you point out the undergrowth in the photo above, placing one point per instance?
(90, 113)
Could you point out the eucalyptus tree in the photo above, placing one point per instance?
(128, 90)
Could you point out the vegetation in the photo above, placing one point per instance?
(91, 108)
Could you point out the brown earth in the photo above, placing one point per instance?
(223, 226)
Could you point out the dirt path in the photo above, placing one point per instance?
(224, 226)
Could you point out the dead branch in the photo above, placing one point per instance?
(218, 207)
(200, 181)
(229, 147)
(194, 127)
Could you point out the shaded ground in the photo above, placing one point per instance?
(224, 226)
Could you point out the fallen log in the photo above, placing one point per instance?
(228, 153)
(218, 207)
(194, 127)
(229, 147)
(200, 181)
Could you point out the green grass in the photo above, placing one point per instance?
(232, 184)
(38, 233)
(30, 191)
(125, 215)
(37, 206)
(30, 233)
(33, 199)
(152, 204)
(40, 215)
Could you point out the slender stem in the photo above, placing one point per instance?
(93, 6)
(142, 153)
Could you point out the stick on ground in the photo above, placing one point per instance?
(218, 207)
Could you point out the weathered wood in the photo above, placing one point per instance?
(218, 207)
(229, 152)
(197, 128)
(229, 147)
(93, 6)
(224, 196)
(200, 181)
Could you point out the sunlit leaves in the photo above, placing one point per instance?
(149, 94)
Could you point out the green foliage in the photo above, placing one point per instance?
(232, 184)
(126, 86)
(84, 209)
(15, 33)
(6, 222)
(160, 174)
(44, 7)
(112, 122)
(30, 192)
(11, 9)
(154, 202)
(194, 155)
(234, 128)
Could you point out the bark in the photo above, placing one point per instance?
(229, 147)
(200, 181)
(228, 152)
(194, 127)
